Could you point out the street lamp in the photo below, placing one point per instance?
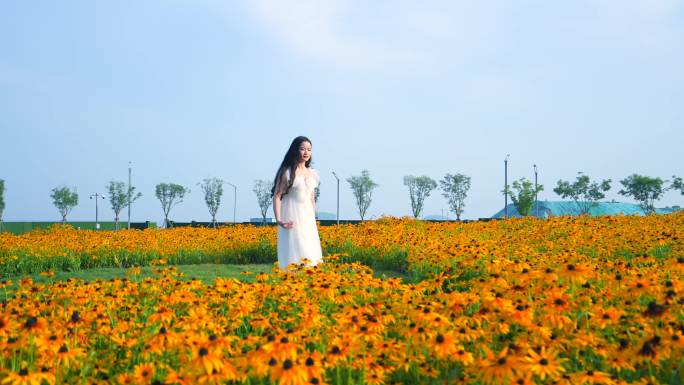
(338, 197)
(129, 195)
(234, 199)
(96, 196)
(506, 185)
(536, 202)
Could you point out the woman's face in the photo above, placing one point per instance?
(304, 151)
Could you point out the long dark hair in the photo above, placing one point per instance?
(290, 162)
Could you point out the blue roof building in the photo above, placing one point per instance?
(546, 209)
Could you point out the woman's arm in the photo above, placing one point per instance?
(277, 199)
(313, 199)
(276, 207)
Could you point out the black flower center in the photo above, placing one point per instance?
(31, 322)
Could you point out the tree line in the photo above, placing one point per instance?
(583, 191)
(120, 197)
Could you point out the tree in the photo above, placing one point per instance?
(419, 189)
(643, 189)
(262, 189)
(524, 195)
(455, 190)
(677, 184)
(362, 188)
(118, 198)
(213, 190)
(583, 192)
(317, 194)
(2, 201)
(169, 194)
(64, 199)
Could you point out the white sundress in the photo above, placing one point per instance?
(301, 241)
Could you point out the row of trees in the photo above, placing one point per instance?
(585, 192)
(120, 197)
(454, 189)
(362, 186)
(645, 190)
(65, 199)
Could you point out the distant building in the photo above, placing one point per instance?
(260, 220)
(547, 209)
(325, 216)
(435, 217)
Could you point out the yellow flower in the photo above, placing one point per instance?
(143, 373)
(23, 377)
(499, 368)
(290, 373)
(544, 364)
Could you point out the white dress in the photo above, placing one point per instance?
(301, 241)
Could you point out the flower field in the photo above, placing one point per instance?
(521, 301)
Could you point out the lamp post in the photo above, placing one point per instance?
(506, 185)
(338, 197)
(129, 195)
(97, 196)
(234, 199)
(536, 202)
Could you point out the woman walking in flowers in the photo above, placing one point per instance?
(294, 206)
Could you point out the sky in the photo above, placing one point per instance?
(186, 90)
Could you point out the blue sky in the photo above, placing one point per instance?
(206, 88)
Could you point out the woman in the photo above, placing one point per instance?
(294, 206)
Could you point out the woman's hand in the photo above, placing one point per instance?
(286, 225)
